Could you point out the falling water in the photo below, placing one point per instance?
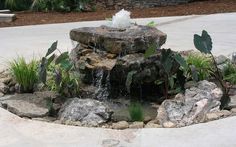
(74, 43)
(102, 83)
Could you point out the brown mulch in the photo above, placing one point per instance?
(201, 7)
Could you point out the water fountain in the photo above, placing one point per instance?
(107, 54)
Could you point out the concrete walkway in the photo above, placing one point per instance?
(18, 132)
(33, 41)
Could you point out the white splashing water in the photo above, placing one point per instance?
(121, 19)
(102, 91)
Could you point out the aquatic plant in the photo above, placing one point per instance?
(136, 112)
(204, 43)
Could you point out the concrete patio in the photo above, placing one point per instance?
(18, 132)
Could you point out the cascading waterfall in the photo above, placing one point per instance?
(102, 83)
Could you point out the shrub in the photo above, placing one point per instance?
(25, 74)
(200, 66)
(59, 5)
(17, 5)
(136, 112)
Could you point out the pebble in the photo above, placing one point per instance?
(120, 125)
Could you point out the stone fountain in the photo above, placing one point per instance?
(105, 56)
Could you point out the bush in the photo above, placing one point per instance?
(17, 5)
(200, 66)
(136, 112)
(58, 5)
(25, 74)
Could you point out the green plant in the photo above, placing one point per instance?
(136, 112)
(59, 5)
(203, 43)
(229, 73)
(58, 73)
(200, 66)
(25, 74)
(2, 4)
(152, 24)
(17, 5)
(171, 64)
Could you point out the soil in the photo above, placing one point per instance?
(200, 7)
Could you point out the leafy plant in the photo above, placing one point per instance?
(200, 66)
(203, 43)
(229, 73)
(152, 24)
(136, 112)
(25, 74)
(59, 5)
(59, 72)
(17, 4)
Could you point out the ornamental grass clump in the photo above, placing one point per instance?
(200, 63)
(24, 73)
(136, 112)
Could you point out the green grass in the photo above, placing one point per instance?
(136, 112)
(202, 63)
(24, 73)
(229, 73)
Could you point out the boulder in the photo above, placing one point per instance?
(29, 105)
(192, 106)
(24, 109)
(88, 111)
(134, 39)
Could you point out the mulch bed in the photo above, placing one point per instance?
(201, 7)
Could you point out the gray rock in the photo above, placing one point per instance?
(232, 103)
(1, 94)
(152, 125)
(120, 125)
(221, 59)
(135, 39)
(212, 116)
(193, 106)
(233, 110)
(225, 113)
(88, 111)
(147, 119)
(3, 88)
(28, 105)
(169, 124)
(6, 80)
(24, 109)
(136, 125)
